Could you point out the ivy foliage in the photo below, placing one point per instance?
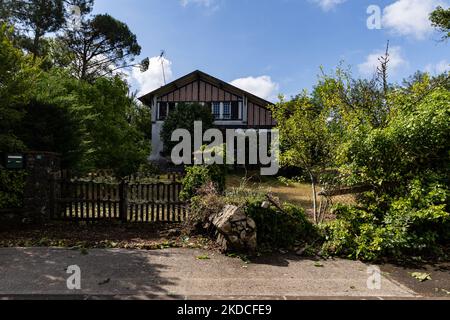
(12, 186)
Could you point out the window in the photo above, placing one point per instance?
(235, 107)
(162, 114)
(227, 110)
(172, 106)
(216, 110)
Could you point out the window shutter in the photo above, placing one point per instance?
(235, 110)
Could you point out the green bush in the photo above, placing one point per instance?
(183, 117)
(417, 224)
(199, 176)
(355, 234)
(207, 202)
(275, 228)
(12, 185)
(149, 169)
(278, 229)
(406, 163)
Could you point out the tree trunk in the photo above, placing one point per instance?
(36, 40)
(314, 190)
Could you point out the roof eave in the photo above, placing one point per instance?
(197, 75)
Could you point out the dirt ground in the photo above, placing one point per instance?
(98, 235)
(437, 287)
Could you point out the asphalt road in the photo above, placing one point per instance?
(183, 274)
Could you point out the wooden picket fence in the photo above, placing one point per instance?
(128, 201)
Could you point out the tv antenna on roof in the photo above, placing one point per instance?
(161, 58)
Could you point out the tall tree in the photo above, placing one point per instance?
(81, 7)
(440, 19)
(17, 76)
(49, 126)
(306, 139)
(353, 102)
(99, 46)
(5, 13)
(110, 132)
(33, 19)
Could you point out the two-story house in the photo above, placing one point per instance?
(233, 108)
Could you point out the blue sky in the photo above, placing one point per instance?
(277, 46)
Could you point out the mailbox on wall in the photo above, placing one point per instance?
(14, 161)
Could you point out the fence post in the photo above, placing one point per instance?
(123, 201)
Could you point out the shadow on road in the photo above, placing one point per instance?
(282, 260)
(42, 271)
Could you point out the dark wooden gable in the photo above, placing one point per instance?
(199, 91)
(201, 87)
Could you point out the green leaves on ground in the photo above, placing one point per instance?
(422, 277)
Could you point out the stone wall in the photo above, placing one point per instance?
(40, 167)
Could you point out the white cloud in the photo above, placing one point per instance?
(209, 4)
(205, 3)
(410, 17)
(145, 82)
(396, 61)
(262, 86)
(439, 68)
(329, 4)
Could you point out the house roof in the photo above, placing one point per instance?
(199, 75)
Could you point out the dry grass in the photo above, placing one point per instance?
(299, 194)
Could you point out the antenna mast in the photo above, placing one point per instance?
(161, 58)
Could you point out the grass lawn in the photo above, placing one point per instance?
(299, 194)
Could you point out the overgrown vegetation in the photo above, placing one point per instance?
(281, 228)
(393, 140)
(440, 19)
(390, 139)
(53, 98)
(277, 227)
(12, 185)
(199, 176)
(64, 94)
(184, 116)
(407, 163)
